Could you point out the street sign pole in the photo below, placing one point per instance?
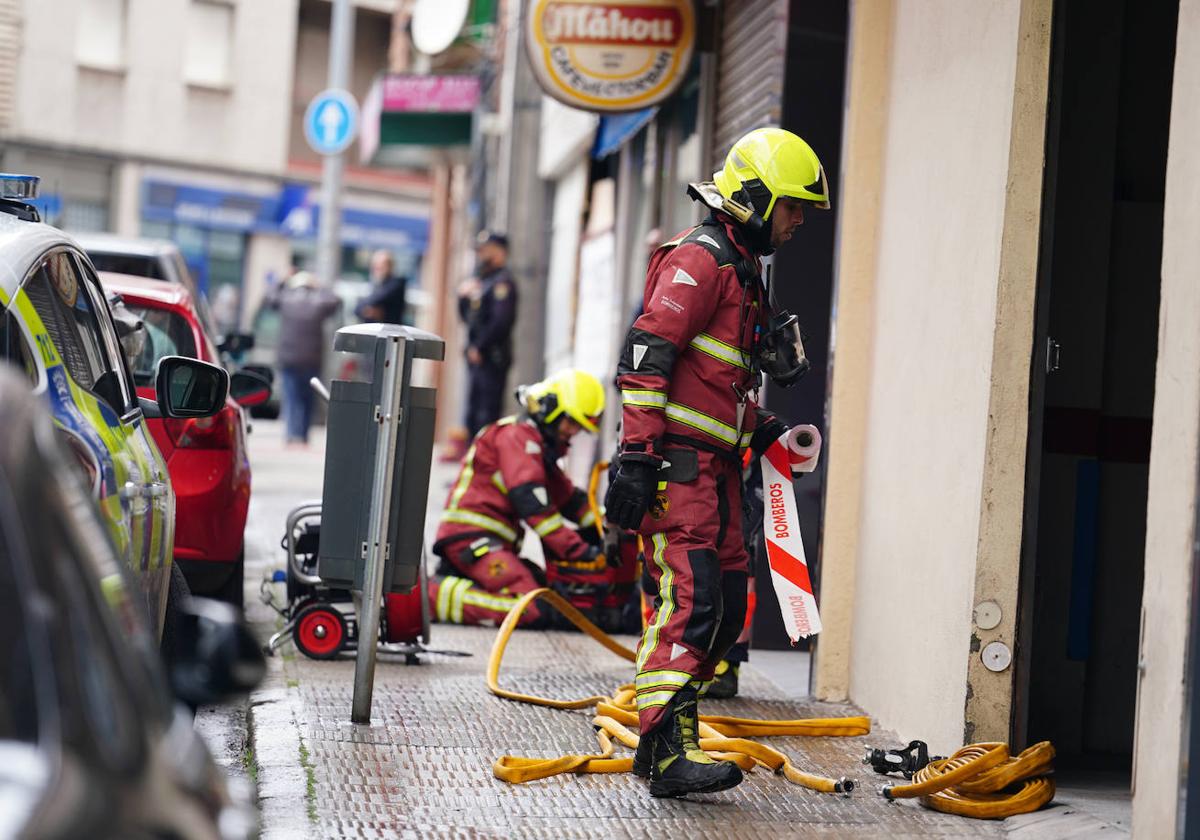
(341, 46)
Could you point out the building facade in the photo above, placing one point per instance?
(181, 119)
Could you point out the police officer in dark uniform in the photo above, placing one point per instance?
(488, 306)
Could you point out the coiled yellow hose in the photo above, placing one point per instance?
(984, 782)
(724, 737)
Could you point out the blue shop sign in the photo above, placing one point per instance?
(290, 212)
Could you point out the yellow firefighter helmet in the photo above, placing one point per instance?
(573, 392)
(768, 164)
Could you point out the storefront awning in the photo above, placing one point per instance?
(617, 129)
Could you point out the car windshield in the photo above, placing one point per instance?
(167, 334)
(138, 266)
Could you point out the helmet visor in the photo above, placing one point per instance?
(807, 194)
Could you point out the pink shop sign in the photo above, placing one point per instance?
(425, 94)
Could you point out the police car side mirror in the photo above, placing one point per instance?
(189, 388)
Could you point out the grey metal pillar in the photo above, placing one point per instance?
(341, 49)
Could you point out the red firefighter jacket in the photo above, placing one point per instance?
(686, 365)
(508, 475)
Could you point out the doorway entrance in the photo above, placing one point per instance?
(1092, 392)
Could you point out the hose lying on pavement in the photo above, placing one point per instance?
(983, 781)
(723, 737)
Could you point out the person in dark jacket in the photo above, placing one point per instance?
(488, 306)
(385, 304)
(303, 309)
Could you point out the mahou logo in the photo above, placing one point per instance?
(610, 56)
(576, 23)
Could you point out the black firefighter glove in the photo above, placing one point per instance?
(766, 432)
(630, 493)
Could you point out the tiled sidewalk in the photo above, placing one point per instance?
(423, 769)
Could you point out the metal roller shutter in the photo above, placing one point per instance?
(751, 48)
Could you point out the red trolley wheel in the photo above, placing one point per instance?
(319, 632)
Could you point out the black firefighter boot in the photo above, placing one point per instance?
(677, 764)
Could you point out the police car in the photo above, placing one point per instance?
(56, 326)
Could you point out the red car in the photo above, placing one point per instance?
(206, 457)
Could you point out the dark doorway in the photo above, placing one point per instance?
(1093, 379)
(813, 106)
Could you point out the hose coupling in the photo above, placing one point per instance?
(844, 786)
(886, 792)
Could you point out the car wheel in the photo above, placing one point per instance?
(233, 590)
(320, 631)
(178, 595)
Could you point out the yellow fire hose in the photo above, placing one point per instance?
(983, 781)
(724, 737)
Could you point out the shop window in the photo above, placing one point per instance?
(100, 34)
(85, 216)
(207, 58)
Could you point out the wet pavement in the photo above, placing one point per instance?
(423, 768)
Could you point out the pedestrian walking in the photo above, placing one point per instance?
(487, 304)
(511, 475)
(385, 303)
(303, 309)
(689, 375)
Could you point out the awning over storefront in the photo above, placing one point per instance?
(617, 129)
(290, 212)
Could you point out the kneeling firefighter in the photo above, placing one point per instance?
(511, 474)
(689, 375)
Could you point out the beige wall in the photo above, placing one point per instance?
(1171, 507)
(145, 107)
(942, 211)
(858, 221)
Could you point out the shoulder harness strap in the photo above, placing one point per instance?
(710, 235)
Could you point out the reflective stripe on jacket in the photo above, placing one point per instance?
(506, 477)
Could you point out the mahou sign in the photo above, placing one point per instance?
(612, 56)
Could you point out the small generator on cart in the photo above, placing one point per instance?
(320, 619)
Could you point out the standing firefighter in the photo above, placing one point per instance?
(688, 376)
(509, 475)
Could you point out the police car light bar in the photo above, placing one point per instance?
(18, 187)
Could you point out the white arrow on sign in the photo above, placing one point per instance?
(331, 121)
(330, 118)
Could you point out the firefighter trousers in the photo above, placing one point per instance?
(696, 558)
(490, 578)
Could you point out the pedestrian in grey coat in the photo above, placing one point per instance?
(303, 309)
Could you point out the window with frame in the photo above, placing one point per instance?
(207, 58)
(60, 295)
(100, 34)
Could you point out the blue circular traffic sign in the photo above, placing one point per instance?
(331, 122)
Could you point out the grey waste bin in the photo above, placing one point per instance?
(351, 439)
